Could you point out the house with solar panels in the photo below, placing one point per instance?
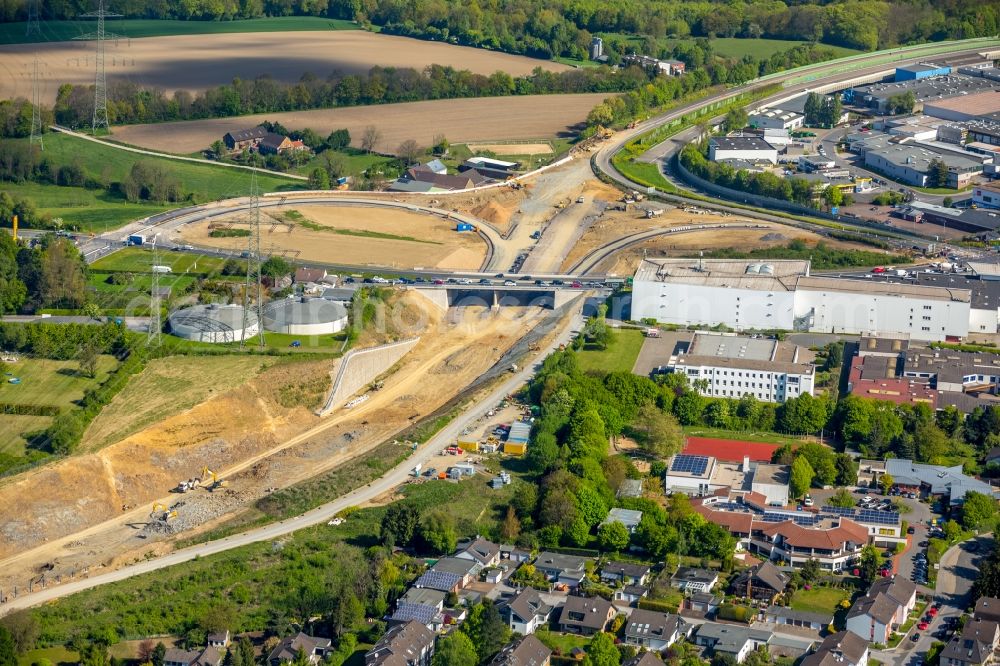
(833, 536)
(698, 476)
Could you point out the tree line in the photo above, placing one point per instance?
(129, 102)
(565, 27)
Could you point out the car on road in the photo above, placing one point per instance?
(915, 637)
(527, 278)
(509, 283)
(485, 281)
(438, 281)
(499, 275)
(558, 283)
(576, 285)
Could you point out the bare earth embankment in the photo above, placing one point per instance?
(461, 120)
(197, 62)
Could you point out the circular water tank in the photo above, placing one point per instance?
(305, 316)
(212, 323)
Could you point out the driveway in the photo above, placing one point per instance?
(953, 592)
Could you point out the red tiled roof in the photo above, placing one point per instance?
(729, 450)
(811, 537)
(731, 520)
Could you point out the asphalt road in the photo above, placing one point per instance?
(393, 478)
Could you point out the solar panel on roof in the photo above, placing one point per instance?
(695, 465)
(838, 510)
(774, 518)
(878, 517)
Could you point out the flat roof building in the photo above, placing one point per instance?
(750, 148)
(913, 164)
(978, 106)
(877, 95)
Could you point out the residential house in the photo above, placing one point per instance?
(484, 553)
(627, 517)
(241, 140)
(175, 657)
(692, 579)
(514, 554)
(275, 144)
(703, 602)
(422, 604)
(585, 615)
(844, 648)
(653, 630)
(464, 568)
(566, 569)
(314, 648)
(219, 639)
(783, 615)
(762, 582)
(883, 609)
(625, 573)
(525, 611)
(987, 608)
(976, 646)
(527, 651)
(309, 275)
(440, 580)
(435, 165)
(410, 644)
(631, 594)
(735, 640)
(644, 659)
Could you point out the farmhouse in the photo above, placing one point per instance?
(274, 144)
(241, 140)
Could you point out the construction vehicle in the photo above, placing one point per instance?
(158, 507)
(653, 212)
(637, 195)
(217, 482)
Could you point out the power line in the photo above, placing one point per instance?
(100, 77)
(36, 112)
(155, 324)
(253, 280)
(33, 27)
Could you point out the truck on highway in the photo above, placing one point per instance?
(136, 239)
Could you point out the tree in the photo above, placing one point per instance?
(833, 196)
(800, 479)
(847, 470)
(661, 434)
(937, 173)
(8, 655)
(871, 562)
(63, 275)
(455, 649)
(339, 139)
(613, 537)
(218, 149)
(886, 482)
(437, 532)
(842, 498)
(736, 119)
(87, 357)
(511, 528)
(602, 651)
(810, 570)
(158, 653)
(370, 138)
(440, 145)
(399, 524)
(486, 629)
(813, 106)
(408, 151)
(276, 267)
(979, 512)
(13, 291)
(947, 202)
(319, 179)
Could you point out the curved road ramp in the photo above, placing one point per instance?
(360, 367)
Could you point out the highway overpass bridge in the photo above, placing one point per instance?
(498, 296)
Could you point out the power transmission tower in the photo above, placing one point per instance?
(36, 112)
(33, 28)
(253, 289)
(100, 78)
(155, 324)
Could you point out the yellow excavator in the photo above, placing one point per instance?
(166, 515)
(217, 482)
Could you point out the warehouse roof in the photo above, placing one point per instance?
(741, 143)
(777, 275)
(976, 104)
(899, 289)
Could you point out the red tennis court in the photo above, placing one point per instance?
(729, 450)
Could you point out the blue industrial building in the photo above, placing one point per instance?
(921, 71)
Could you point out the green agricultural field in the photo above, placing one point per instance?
(43, 382)
(99, 210)
(53, 31)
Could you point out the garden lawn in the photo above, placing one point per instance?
(140, 260)
(561, 643)
(720, 433)
(88, 210)
(620, 355)
(54, 31)
(819, 599)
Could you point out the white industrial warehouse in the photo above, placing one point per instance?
(782, 295)
(212, 323)
(305, 316)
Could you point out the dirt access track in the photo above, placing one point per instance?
(68, 518)
(461, 120)
(197, 62)
(353, 235)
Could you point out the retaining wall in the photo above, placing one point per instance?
(360, 367)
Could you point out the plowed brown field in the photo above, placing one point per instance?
(461, 120)
(197, 62)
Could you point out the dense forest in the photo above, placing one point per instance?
(564, 27)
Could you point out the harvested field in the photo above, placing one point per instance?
(463, 120)
(356, 235)
(197, 62)
(512, 148)
(92, 511)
